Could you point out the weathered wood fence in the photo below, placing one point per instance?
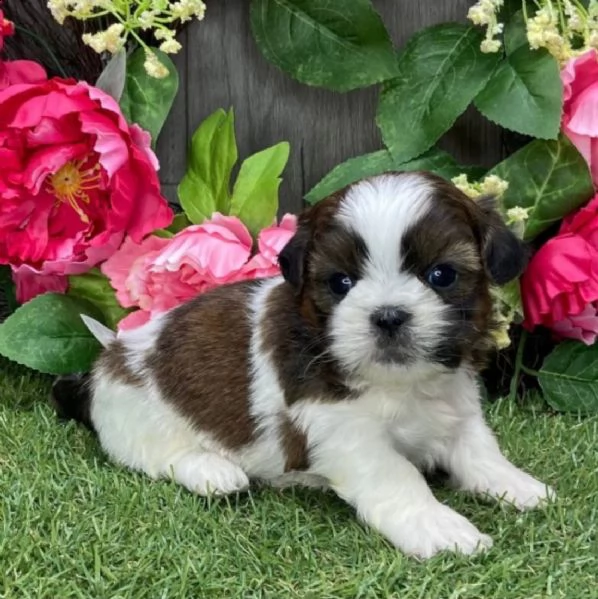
(221, 66)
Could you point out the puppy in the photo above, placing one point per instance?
(355, 369)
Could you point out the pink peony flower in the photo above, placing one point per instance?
(75, 179)
(560, 285)
(159, 274)
(17, 71)
(580, 109)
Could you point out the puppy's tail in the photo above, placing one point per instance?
(71, 394)
(71, 397)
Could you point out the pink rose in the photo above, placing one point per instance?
(560, 285)
(580, 109)
(16, 71)
(75, 179)
(158, 274)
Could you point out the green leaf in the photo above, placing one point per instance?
(95, 288)
(376, 163)
(47, 334)
(569, 378)
(525, 94)
(515, 33)
(549, 176)
(179, 223)
(146, 100)
(205, 188)
(255, 195)
(337, 44)
(441, 70)
(112, 78)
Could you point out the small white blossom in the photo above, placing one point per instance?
(146, 19)
(490, 46)
(59, 10)
(462, 183)
(114, 39)
(96, 41)
(185, 9)
(517, 214)
(170, 46)
(494, 185)
(153, 66)
(164, 34)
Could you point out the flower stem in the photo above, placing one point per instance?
(518, 366)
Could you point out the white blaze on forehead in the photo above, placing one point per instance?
(382, 209)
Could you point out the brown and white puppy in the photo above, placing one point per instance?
(355, 369)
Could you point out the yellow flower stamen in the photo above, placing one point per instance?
(71, 182)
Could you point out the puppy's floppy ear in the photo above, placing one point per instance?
(292, 258)
(505, 256)
(312, 223)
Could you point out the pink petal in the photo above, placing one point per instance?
(31, 283)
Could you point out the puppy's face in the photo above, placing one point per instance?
(396, 270)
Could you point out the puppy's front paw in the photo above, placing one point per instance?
(207, 473)
(520, 489)
(437, 528)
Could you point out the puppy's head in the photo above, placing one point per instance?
(396, 271)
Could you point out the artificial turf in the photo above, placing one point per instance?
(74, 525)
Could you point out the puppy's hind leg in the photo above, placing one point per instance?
(138, 429)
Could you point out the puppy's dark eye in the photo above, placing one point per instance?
(340, 283)
(442, 276)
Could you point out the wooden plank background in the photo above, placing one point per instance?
(221, 66)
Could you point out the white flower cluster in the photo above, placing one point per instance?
(505, 300)
(491, 185)
(564, 27)
(484, 13)
(156, 16)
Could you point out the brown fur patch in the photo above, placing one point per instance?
(299, 347)
(455, 231)
(294, 445)
(113, 361)
(201, 363)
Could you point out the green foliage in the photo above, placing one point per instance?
(548, 176)
(569, 378)
(525, 93)
(95, 288)
(376, 163)
(146, 100)
(338, 44)
(255, 195)
(441, 70)
(205, 188)
(47, 334)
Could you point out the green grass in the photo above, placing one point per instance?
(74, 525)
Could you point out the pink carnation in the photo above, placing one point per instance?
(560, 285)
(580, 109)
(158, 274)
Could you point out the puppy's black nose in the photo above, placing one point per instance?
(389, 319)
